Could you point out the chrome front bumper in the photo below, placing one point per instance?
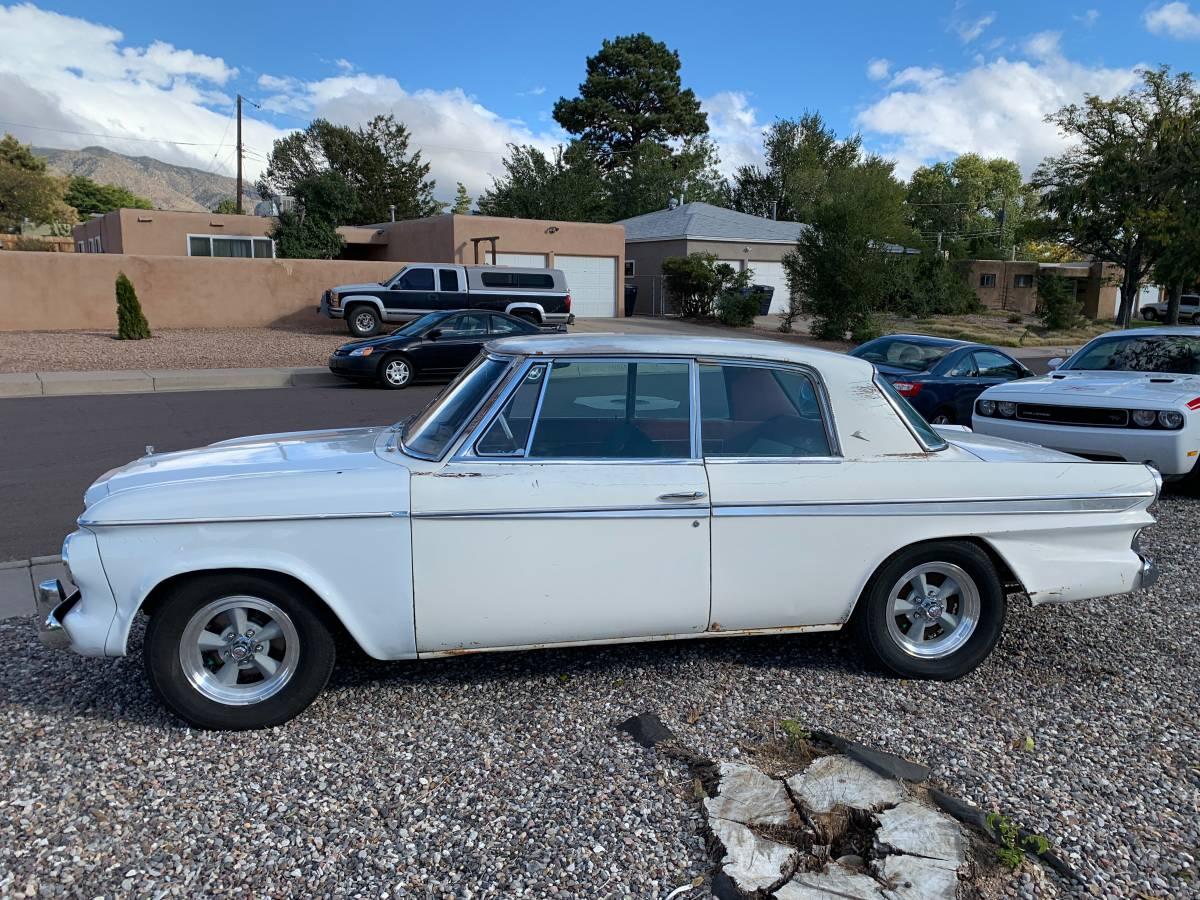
(1147, 575)
(53, 604)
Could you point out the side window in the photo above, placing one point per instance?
(615, 410)
(498, 279)
(414, 280)
(995, 365)
(987, 279)
(465, 326)
(501, 325)
(449, 280)
(964, 368)
(508, 435)
(760, 411)
(531, 280)
(1189, 300)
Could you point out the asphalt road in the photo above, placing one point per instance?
(52, 448)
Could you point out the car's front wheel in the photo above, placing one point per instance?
(1196, 318)
(933, 611)
(1149, 314)
(396, 372)
(234, 652)
(362, 321)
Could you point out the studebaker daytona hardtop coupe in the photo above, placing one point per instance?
(588, 490)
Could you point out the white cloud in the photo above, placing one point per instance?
(533, 91)
(1088, 19)
(994, 108)
(344, 64)
(878, 69)
(969, 30)
(1173, 20)
(734, 126)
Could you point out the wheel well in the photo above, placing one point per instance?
(1008, 578)
(161, 591)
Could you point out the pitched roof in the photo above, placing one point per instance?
(703, 221)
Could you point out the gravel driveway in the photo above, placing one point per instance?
(502, 775)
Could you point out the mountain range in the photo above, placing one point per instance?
(165, 185)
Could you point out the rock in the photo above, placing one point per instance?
(916, 830)
(852, 862)
(750, 797)
(834, 882)
(832, 781)
(916, 878)
(751, 862)
(647, 729)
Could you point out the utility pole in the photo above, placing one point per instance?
(239, 154)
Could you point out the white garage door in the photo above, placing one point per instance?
(771, 273)
(529, 260)
(592, 281)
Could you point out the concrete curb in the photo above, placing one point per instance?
(141, 381)
(19, 579)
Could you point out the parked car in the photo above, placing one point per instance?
(1189, 309)
(588, 490)
(1127, 395)
(940, 377)
(436, 345)
(537, 295)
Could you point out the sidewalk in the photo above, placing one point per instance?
(138, 381)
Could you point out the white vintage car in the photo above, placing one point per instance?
(588, 490)
(1127, 395)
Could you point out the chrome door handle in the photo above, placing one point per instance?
(683, 495)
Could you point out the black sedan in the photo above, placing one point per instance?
(437, 345)
(940, 377)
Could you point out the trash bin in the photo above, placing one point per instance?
(763, 294)
(630, 299)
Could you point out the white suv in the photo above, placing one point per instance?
(1189, 310)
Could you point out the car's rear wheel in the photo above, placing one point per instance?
(527, 315)
(396, 372)
(1149, 314)
(362, 320)
(234, 652)
(933, 611)
(1196, 318)
(942, 417)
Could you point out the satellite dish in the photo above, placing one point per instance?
(672, 203)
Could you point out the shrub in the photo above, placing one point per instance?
(1058, 307)
(866, 329)
(925, 285)
(35, 245)
(737, 308)
(1015, 319)
(696, 281)
(131, 321)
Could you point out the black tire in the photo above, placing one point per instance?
(871, 616)
(528, 316)
(1150, 314)
(396, 372)
(165, 669)
(1196, 318)
(362, 320)
(944, 413)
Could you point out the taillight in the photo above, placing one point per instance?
(907, 388)
(568, 306)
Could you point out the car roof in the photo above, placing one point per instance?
(677, 345)
(927, 339)
(1161, 331)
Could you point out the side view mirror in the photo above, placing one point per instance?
(1055, 363)
(435, 334)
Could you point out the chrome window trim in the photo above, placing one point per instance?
(819, 389)
(903, 418)
(501, 383)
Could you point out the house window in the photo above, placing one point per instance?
(630, 268)
(1022, 281)
(987, 279)
(231, 247)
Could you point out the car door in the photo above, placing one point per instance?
(769, 450)
(412, 293)
(991, 367)
(578, 512)
(456, 341)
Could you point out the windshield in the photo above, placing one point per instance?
(430, 433)
(415, 326)
(925, 433)
(1174, 354)
(902, 353)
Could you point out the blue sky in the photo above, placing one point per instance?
(923, 81)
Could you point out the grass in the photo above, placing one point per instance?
(993, 327)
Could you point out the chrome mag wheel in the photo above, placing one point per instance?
(239, 650)
(933, 610)
(397, 372)
(364, 322)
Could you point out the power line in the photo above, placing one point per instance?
(115, 137)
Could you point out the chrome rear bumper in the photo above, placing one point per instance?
(53, 604)
(1147, 575)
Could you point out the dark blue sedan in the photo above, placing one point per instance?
(940, 377)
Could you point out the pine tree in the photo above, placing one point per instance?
(131, 321)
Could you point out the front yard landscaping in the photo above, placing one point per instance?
(1003, 329)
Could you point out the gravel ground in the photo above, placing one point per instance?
(502, 775)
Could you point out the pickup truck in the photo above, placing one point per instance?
(1189, 310)
(540, 296)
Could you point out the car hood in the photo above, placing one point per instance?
(1099, 388)
(384, 340)
(294, 453)
(362, 286)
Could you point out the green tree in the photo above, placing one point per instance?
(656, 174)
(802, 156)
(131, 321)
(1107, 196)
(567, 185)
(1177, 232)
(373, 160)
(1058, 305)
(91, 198)
(632, 95)
(977, 206)
(323, 201)
(227, 206)
(462, 201)
(28, 191)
